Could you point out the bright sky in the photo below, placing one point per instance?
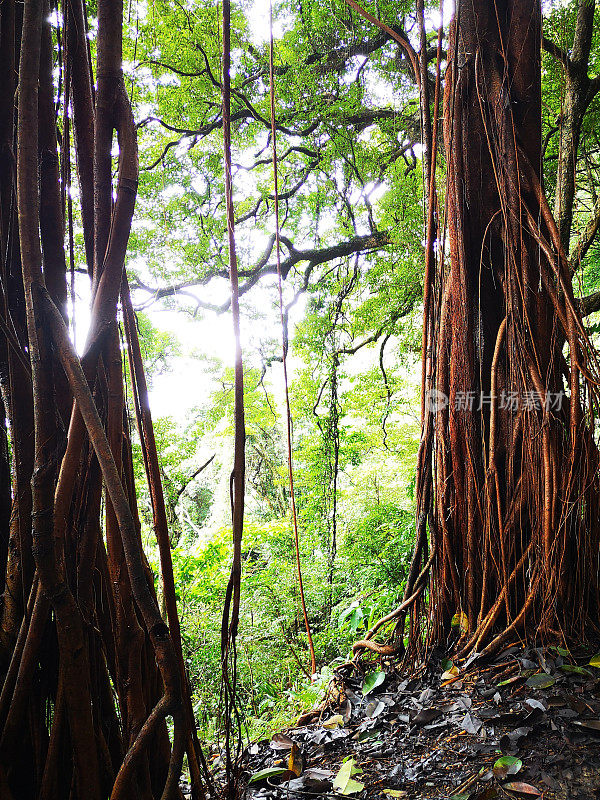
(176, 392)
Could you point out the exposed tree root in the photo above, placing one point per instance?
(80, 628)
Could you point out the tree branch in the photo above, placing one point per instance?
(587, 237)
(171, 68)
(194, 475)
(582, 40)
(400, 37)
(314, 257)
(593, 89)
(385, 328)
(590, 304)
(557, 52)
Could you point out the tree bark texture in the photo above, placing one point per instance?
(89, 669)
(508, 465)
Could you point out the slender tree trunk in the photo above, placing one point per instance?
(576, 101)
(80, 619)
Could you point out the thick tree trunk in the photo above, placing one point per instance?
(508, 466)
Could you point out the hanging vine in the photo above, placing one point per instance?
(231, 608)
(284, 347)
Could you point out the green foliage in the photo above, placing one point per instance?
(375, 555)
(346, 137)
(159, 348)
(188, 495)
(559, 26)
(272, 643)
(349, 145)
(348, 168)
(382, 543)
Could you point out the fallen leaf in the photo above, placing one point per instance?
(281, 742)
(354, 768)
(343, 783)
(450, 673)
(374, 708)
(513, 738)
(507, 765)
(317, 774)
(426, 715)
(520, 733)
(540, 681)
(364, 736)
(573, 670)
(295, 761)
(269, 772)
(528, 664)
(316, 780)
(470, 724)
(337, 721)
(595, 661)
(577, 705)
(473, 657)
(464, 702)
(426, 695)
(395, 792)
(522, 788)
(346, 709)
(508, 681)
(460, 620)
(533, 703)
(589, 724)
(372, 681)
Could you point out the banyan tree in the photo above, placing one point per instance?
(508, 490)
(90, 671)
(508, 465)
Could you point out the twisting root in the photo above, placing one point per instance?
(366, 644)
(508, 479)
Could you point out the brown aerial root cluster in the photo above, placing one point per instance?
(508, 491)
(90, 671)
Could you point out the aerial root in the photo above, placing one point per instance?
(393, 649)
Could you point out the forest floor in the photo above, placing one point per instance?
(526, 726)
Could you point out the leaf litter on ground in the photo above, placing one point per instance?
(471, 738)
